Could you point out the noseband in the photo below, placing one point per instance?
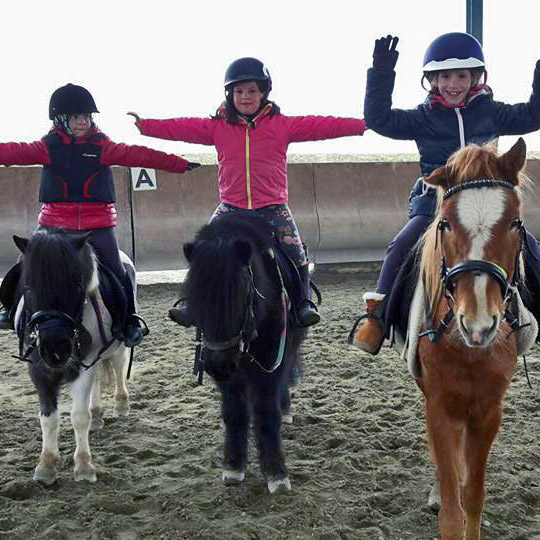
(450, 275)
(51, 318)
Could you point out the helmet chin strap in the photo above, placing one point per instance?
(61, 121)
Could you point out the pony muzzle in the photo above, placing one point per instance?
(478, 332)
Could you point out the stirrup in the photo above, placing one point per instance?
(178, 313)
(6, 322)
(307, 314)
(134, 331)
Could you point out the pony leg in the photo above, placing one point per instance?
(286, 413)
(46, 469)
(97, 422)
(49, 419)
(235, 415)
(447, 442)
(121, 395)
(267, 411)
(81, 389)
(478, 443)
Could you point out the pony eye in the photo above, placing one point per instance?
(444, 225)
(516, 223)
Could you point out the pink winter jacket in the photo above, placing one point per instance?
(252, 159)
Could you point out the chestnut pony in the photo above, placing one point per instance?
(466, 352)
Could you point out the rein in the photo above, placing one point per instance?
(450, 275)
(249, 333)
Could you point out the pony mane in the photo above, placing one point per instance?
(53, 269)
(465, 165)
(219, 278)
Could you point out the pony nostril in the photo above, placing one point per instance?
(462, 322)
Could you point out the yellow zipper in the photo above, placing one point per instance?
(248, 160)
(248, 175)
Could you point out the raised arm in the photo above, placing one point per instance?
(378, 112)
(521, 118)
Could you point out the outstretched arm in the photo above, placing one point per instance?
(35, 153)
(191, 130)
(141, 156)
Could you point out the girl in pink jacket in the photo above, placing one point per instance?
(251, 137)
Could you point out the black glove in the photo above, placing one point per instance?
(192, 165)
(385, 55)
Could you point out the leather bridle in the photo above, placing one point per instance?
(449, 275)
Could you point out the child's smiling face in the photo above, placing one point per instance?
(247, 97)
(454, 84)
(79, 124)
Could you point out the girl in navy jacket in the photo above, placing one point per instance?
(458, 110)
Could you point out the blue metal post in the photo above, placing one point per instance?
(475, 15)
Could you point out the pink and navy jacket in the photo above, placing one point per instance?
(252, 156)
(90, 205)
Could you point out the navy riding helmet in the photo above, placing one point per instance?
(455, 50)
(248, 69)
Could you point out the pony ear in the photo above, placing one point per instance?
(78, 241)
(438, 177)
(513, 161)
(189, 248)
(242, 250)
(21, 242)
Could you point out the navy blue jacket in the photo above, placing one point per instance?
(439, 131)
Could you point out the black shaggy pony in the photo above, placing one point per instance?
(235, 295)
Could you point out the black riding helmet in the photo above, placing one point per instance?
(71, 99)
(248, 69)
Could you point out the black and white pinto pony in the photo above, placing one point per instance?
(65, 335)
(235, 293)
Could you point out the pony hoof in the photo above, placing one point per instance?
(97, 423)
(121, 408)
(434, 499)
(87, 473)
(45, 475)
(287, 418)
(232, 478)
(280, 484)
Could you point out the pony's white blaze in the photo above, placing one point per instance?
(479, 210)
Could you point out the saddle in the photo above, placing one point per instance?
(399, 300)
(291, 279)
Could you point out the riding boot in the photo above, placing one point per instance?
(180, 314)
(133, 333)
(369, 336)
(306, 311)
(8, 289)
